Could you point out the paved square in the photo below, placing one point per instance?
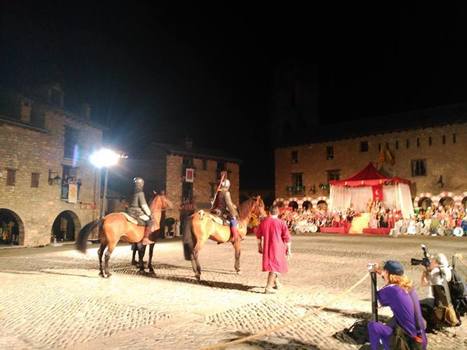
(53, 298)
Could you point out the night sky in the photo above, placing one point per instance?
(159, 72)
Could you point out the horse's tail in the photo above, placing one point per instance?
(81, 241)
(188, 238)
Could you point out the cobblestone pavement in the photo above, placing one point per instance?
(52, 297)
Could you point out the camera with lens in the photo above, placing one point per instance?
(425, 261)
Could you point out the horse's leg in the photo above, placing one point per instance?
(109, 251)
(141, 250)
(151, 250)
(195, 264)
(134, 248)
(237, 247)
(100, 252)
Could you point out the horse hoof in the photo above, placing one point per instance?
(152, 272)
(141, 272)
(134, 263)
(239, 272)
(198, 278)
(107, 275)
(101, 274)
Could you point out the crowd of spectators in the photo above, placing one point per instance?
(441, 220)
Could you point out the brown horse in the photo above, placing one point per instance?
(115, 227)
(202, 226)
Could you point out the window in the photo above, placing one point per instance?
(364, 146)
(297, 179)
(69, 176)
(419, 167)
(397, 144)
(444, 139)
(418, 142)
(334, 174)
(10, 177)
(35, 179)
(329, 152)
(430, 141)
(205, 164)
(454, 138)
(297, 183)
(407, 143)
(294, 156)
(71, 142)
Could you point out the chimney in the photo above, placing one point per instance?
(25, 108)
(188, 143)
(86, 111)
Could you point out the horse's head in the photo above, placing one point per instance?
(259, 207)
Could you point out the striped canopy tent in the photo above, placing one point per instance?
(369, 185)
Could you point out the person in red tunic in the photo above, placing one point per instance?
(275, 246)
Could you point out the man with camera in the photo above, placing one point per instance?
(406, 329)
(437, 309)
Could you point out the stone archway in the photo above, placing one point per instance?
(11, 226)
(424, 203)
(446, 202)
(66, 226)
(293, 205)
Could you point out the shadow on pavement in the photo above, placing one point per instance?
(275, 343)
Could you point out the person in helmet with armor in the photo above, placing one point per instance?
(139, 208)
(224, 206)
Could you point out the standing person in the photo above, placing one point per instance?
(275, 246)
(407, 322)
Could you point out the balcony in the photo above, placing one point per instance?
(295, 190)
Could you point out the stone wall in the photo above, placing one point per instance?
(202, 184)
(31, 150)
(446, 159)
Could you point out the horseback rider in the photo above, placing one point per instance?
(224, 207)
(139, 208)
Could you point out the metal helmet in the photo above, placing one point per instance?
(139, 182)
(225, 185)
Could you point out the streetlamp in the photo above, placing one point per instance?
(104, 158)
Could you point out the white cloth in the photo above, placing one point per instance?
(436, 279)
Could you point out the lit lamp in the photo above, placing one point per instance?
(104, 158)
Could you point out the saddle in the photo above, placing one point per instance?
(133, 220)
(214, 217)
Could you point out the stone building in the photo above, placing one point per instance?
(428, 147)
(185, 173)
(47, 186)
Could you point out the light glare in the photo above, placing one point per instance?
(104, 158)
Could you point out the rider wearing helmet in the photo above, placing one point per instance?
(225, 206)
(139, 207)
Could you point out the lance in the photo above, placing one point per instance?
(224, 174)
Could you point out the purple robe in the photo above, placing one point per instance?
(275, 236)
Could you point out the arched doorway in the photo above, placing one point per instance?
(66, 226)
(307, 205)
(446, 202)
(293, 205)
(11, 227)
(322, 205)
(424, 203)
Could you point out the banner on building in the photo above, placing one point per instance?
(72, 193)
(189, 174)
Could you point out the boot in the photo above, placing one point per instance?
(146, 240)
(234, 235)
(270, 284)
